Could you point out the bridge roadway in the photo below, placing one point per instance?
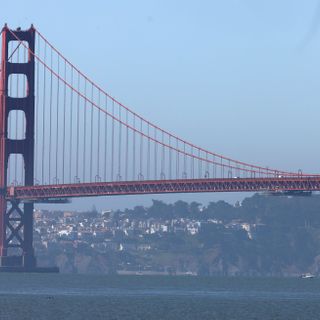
(42, 192)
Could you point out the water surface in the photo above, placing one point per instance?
(62, 296)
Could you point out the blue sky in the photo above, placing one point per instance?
(238, 77)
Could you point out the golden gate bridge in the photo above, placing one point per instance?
(63, 136)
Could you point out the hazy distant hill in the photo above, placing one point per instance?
(263, 236)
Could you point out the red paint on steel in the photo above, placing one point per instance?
(3, 129)
(16, 221)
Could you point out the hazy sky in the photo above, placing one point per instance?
(238, 77)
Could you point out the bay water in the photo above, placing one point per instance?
(70, 296)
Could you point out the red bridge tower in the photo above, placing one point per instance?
(16, 219)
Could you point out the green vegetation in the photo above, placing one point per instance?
(262, 236)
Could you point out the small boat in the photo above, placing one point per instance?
(307, 275)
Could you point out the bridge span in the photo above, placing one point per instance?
(63, 136)
(283, 184)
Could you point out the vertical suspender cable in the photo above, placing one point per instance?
(23, 122)
(36, 115)
(119, 151)
(177, 159)
(127, 147)
(84, 132)
(141, 151)
(57, 115)
(105, 142)
(71, 129)
(112, 143)
(91, 135)
(43, 115)
(17, 125)
(192, 163)
(50, 114)
(10, 129)
(213, 167)
(170, 158)
(64, 124)
(134, 149)
(184, 161)
(98, 151)
(207, 166)
(199, 164)
(78, 129)
(155, 155)
(162, 156)
(148, 161)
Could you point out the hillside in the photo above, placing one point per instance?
(262, 236)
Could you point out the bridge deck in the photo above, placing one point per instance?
(39, 192)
